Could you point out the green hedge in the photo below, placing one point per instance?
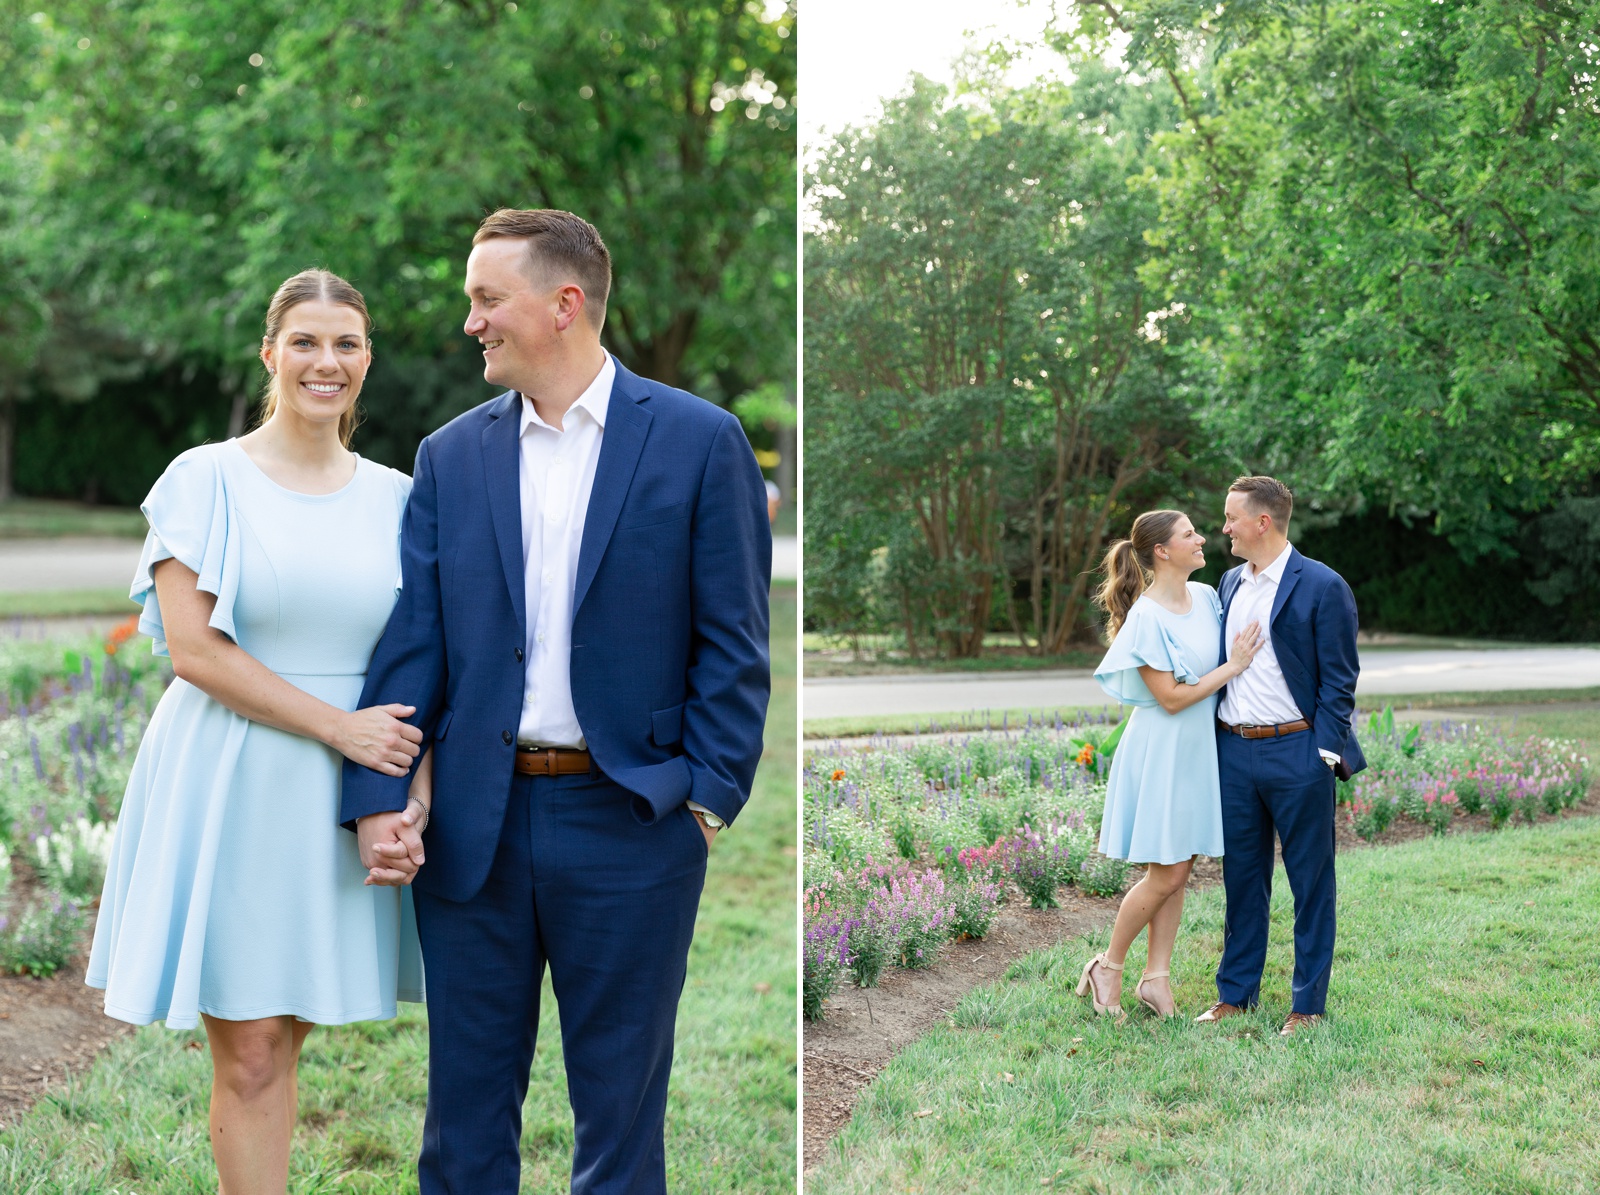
(1405, 578)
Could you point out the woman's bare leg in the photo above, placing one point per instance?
(1163, 933)
(1141, 905)
(253, 1101)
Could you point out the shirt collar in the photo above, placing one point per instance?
(1273, 572)
(595, 401)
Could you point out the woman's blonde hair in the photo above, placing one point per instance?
(1128, 564)
(312, 286)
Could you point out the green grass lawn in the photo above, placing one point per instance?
(137, 1120)
(1462, 1051)
(899, 665)
(66, 603)
(1582, 724)
(31, 518)
(977, 720)
(885, 655)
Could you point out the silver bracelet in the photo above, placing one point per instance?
(427, 811)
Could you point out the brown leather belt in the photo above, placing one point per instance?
(551, 761)
(1265, 732)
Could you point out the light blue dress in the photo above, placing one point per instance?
(231, 888)
(1163, 801)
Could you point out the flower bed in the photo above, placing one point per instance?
(70, 724)
(1438, 771)
(969, 822)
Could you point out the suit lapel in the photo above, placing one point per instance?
(1286, 584)
(500, 458)
(627, 426)
(1226, 591)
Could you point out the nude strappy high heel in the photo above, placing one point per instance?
(1086, 988)
(1138, 990)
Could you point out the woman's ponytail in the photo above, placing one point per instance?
(1129, 564)
(1123, 584)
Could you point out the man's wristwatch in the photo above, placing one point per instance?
(709, 818)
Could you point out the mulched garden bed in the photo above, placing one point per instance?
(50, 1029)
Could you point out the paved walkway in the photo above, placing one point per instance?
(1383, 671)
(785, 558)
(32, 565)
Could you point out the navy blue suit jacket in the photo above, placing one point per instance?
(670, 675)
(1314, 636)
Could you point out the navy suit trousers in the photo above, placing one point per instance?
(1277, 784)
(609, 904)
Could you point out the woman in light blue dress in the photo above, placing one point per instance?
(1163, 800)
(232, 895)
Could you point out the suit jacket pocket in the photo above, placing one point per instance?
(666, 726)
(652, 516)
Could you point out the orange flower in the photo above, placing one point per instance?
(121, 633)
(1086, 756)
(838, 774)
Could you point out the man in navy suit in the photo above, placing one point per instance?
(1283, 733)
(582, 628)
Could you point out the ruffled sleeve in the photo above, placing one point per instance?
(1143, 641)
(191, 521)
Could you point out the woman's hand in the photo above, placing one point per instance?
(1174, 697)
(404, 855)
(376, 738)
(1245, 645)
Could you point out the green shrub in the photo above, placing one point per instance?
(1103, 876)
(42, 939)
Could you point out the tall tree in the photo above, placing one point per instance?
(184, 156)
(1386, 221)
(984, 353)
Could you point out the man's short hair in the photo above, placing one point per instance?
(562, 243)
(1266, 495)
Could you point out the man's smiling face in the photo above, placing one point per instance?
(512, 315)
(1245, 527)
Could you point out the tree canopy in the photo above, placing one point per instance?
(164, 164)
(1353, 245)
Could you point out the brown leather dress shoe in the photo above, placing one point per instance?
(1218, 1011)
(1298, 1021)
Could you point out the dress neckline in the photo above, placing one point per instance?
(299, 495)
(1192, 604)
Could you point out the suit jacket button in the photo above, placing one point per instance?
(505, 737)
(519, 655)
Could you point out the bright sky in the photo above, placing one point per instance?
(853, 53)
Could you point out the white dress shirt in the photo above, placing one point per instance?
(556, 473)
(1259, 696)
